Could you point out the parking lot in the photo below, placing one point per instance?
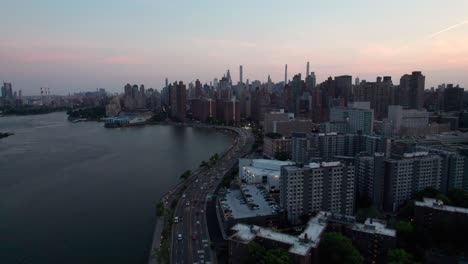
(248, 201)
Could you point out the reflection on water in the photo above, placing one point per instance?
(78, 191)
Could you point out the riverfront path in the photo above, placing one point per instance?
(190, 238)
(194, 245)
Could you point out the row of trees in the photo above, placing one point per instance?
(31, 110)
(92, 113)
(207, 164)
(334, 248)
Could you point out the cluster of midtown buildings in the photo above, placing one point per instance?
(345, 142)
(44, 98)
(8, 97)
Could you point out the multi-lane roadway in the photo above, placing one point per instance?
(190, 241)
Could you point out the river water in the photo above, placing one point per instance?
(80, 193)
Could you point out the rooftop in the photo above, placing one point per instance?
(439, 205)
(374, 226)
(314, 230)
(270, 164)
(240, 211)
(299, 245)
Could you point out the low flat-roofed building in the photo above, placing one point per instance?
(301, 249)
(262, 171)
(250, 204)
(430, 211)
(373, 238)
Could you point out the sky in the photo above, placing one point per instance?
(72, 46)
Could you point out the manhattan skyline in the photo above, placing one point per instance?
(73, 47)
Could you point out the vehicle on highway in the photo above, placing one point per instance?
(179, 237)
(187, 203)
(176, 219)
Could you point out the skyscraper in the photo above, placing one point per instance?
(7, 91)
(241, 80)
(228, 76)
(412, 90)
(178, 100)
(307, 70)
(296, 92)
(285, 74)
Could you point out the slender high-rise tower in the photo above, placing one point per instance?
(307, 70)
(167, 83)
(240, 74)
(285, 74)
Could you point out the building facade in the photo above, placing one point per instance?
(317, 186)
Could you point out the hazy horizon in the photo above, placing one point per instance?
(80, 46)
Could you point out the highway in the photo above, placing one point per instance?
(190, 241)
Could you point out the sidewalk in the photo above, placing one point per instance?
(156, 240)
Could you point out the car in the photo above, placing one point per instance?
(194, 238)
(176, 219)
(198, 222)
(183, 195)
(179, 237)
(187, 203)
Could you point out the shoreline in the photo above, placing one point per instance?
(168, 197)
(6, 134)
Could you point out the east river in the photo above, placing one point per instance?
(81, 193)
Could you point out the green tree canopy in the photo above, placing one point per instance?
(276, 256)
(335, 248)
(186, 174)
(281, 155)
(259, 255)
(399, 256)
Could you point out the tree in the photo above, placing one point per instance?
(369, 212)
(399, 256)
(405, 233)
(215, 157)
(259, 255)
(204, 164)
(160, 209)
(276, 256)
(336, 248)
(407, 210)
(281, 155)
(256, 253)
(429, 192)
(458, 197)
(186, 174)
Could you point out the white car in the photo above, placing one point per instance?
(179, 237)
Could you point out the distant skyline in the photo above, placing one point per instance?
(73, 46)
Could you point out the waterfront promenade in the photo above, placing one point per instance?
(203, 181)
